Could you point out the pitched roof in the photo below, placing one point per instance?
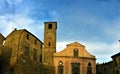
(118, 54)
(2, 35)
(21, 30)
(75, 44)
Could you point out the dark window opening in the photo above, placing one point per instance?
(75, 52)
(60, 69)
(40, 46)
(40, 58)
(28, 36)
(49, 44)
(35, 54)
(35, 41)
(89, 64)
(75, 68)
(50, 26)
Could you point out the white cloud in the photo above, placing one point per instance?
(20, 21)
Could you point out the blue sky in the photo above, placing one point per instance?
(93, 23)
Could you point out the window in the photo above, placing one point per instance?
(35, 41)
(75, 52)
(60, 63)
(89, 69)
(49, 44)
(60, 67)
(40, 58)
(75, 68)
(28, 36)
(40, 46)
(26, 51)
(50, 26)
(35, 54)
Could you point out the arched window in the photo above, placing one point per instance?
(60, 67)
(75, 52)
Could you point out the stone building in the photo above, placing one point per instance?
(2, 38)
(49, 46)
(116, 62)
(26, 54)
(5, 53)
(111, 67)
(4, 59)
(105, 68)
(21, 52)
(74, 59)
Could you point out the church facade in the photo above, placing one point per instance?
(27, 54)
(74, 59)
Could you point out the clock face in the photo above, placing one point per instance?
(50, 34)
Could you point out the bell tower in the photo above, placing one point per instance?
(49, 41)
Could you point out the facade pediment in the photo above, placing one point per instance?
(69, 51)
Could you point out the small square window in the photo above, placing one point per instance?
(50, 26)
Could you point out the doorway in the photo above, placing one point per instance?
(75, 68)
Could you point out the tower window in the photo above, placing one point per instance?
(75, 52)
(50, 26)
